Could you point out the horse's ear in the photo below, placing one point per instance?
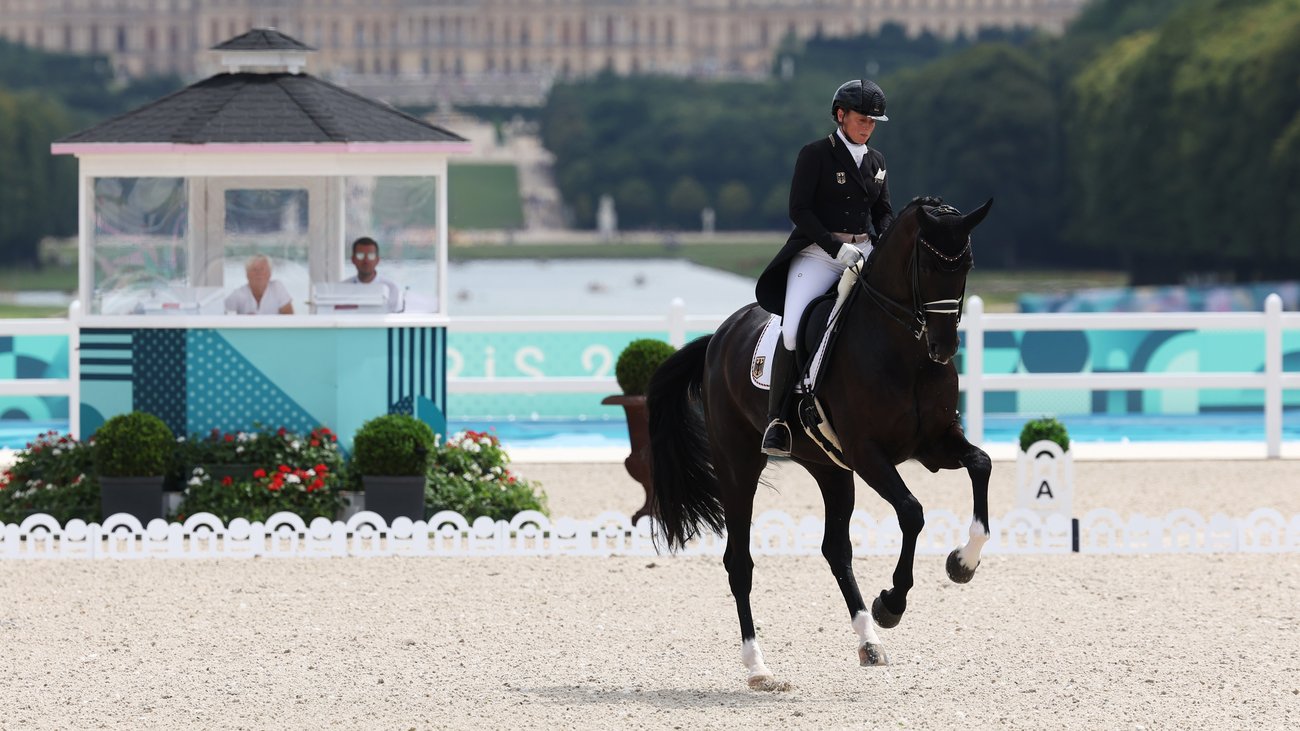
(972, 219)
(928, 222)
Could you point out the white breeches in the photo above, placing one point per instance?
(812, 272)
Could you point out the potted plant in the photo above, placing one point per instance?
(1045, 468)
(635, 365)
(1044, 429)
(390, 454)
(132, 452)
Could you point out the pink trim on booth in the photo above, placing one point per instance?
(142, 148)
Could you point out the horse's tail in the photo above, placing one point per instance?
(685, 485)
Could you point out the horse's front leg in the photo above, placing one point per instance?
(963, 560)
(878, 472)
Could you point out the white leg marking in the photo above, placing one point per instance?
(866, 628)
(753, 658)
(969, 555)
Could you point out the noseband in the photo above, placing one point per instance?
(915, 319)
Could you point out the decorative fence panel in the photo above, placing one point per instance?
(448, 534)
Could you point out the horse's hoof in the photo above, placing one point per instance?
(768, 683)
(870, 654)
(958, 571)
(882, 615)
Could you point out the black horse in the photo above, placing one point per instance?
(890, 393)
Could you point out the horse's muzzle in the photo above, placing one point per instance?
(938, 353)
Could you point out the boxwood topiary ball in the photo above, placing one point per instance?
(135, 444)
(1044, 429)
(638, 362)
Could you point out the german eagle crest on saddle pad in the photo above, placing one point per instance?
(817, 334)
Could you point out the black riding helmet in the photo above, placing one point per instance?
(861, 96)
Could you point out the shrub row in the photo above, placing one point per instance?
(254, 474)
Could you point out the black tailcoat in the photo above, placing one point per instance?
(828, 193)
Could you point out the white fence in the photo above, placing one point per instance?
(530, 533)
(975, 382)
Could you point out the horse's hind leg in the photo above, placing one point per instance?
(837, 492)
(737, 482)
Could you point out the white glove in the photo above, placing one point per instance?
(848, 255)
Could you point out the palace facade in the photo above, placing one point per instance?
(469, 41)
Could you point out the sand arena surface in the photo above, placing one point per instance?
(1086, 642)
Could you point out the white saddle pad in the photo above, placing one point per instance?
(759, 372)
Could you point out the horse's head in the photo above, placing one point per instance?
(928, 252)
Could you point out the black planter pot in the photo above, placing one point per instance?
(395, 496)
(138, 496)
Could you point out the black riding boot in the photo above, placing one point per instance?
(776, 439)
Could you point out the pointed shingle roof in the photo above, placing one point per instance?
(263, 108)
(263, 39)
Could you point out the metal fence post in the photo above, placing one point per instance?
(974, 366)
(677, 322)
(1273, 375)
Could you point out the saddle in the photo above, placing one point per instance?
(818, 330)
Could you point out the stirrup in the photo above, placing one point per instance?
(776, 439)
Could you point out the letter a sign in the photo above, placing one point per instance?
(1045, 479)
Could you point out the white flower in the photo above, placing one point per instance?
(198, 471)
(292, 478)
(496, 470)
(486, 441)
(239, 450)
(196, 481)
(311, 472)
(180, 440)
(467, 477)
(295, 445)
(57, 451)
(252, 437)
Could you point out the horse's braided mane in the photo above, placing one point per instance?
(920, 200)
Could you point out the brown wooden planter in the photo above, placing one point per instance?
(138, 496)
(638, 463)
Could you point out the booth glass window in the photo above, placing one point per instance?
(139, 244)
(270, 222)
(401, 215)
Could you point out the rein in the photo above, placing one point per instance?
(914, 319)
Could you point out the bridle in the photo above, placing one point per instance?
(915, 318)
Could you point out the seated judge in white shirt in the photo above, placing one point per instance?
(365, 257)
(262, 295)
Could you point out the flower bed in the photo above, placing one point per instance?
(255, 474)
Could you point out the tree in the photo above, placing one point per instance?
(734, 204)
(686, 199)
(979, 125)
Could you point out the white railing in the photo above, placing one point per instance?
(975, 382)
(69, 387)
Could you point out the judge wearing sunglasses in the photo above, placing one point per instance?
(365, 257)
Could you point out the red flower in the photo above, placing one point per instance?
(259, 473)
(230, 437)
(321, 468)
(281, 432)
(227, 481)
(317, 483)
(284, 468)
(315, 442)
